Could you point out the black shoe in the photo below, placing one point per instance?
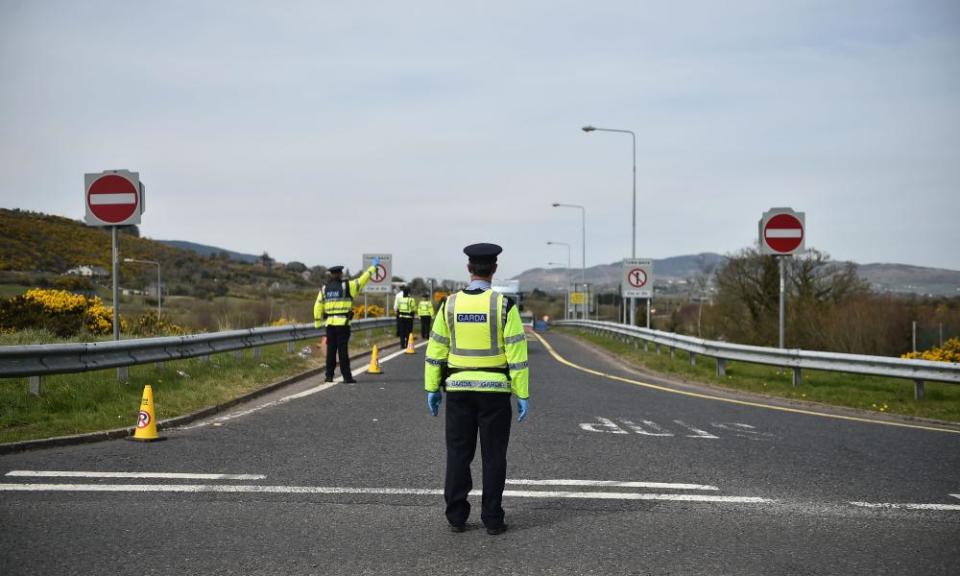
(350, 381)
(327, 379)
(458, 528)
(497, 530)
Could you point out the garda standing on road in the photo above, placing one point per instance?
(478, 352)
(425, 312)
(334, 308)
(406, 308)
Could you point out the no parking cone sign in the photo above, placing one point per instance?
(147, 418)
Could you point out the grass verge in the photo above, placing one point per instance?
(882, 395)
(96, 401)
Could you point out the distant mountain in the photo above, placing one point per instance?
(205, 250)
(675, 272)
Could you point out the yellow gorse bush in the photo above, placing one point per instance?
(949, 352)
(58, 301)
(373, 311)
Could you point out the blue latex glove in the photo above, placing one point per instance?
(433, 402)
(523, 404)
(376, 261)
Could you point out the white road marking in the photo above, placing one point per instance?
(605, 425)
(956, 495)
(697, 432)
(611, 483)
(230, 488)
(654, 428)
(309, 392)
(890, 506)
(165, 475)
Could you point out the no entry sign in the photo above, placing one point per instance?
(782, 231)
(637, 278)
(113, 198)
(382, 278)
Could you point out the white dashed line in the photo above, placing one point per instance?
(612, 484)
(891, 506)
(163, 475)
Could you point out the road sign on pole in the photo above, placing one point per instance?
(113, 198)
(382, 278)
(636, 281)
(782, 231)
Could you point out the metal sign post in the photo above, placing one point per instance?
(636, 281)
(782, 233)
(114, 198)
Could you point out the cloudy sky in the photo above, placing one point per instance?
(318, 131)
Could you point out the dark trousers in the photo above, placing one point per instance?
(404, 328)
(426, 322)
(337, 339)
(488, 413)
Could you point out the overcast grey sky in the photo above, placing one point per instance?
(321, 130)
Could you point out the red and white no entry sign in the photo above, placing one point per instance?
(782, 231)
(113, 198)
(637, 277)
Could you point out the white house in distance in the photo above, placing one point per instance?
(87, 271)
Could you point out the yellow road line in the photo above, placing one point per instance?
(566, 362)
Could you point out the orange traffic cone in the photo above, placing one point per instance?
(374, 362)
(410, 349)
(147, 419)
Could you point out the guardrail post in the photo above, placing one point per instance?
(635, 344)
(918, 389)
(673, 352)
(693, 358)
(646, 346)
(721, 367)
(205, 358)
(257, 353)
(123, 374)
(160, 365)
(35, 384)
(656, 347)
(290, 347)
(238, 354)
(797, 376)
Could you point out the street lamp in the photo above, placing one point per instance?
(633, 242)
(159, 289)
(583, 244)
(566, 311)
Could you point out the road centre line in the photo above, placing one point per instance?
(163, 475)
(956, 495)
(564, 361)
(610, 483)
(297, 396)
(249, 488)
(890, 506)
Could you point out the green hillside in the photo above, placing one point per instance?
(35, 247)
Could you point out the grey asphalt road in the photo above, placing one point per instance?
(348, 480)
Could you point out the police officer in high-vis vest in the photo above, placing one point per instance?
(425, 312)
(334, 308)
(478, 352)
(406, 308)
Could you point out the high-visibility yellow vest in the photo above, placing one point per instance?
(406, 306)
(424, 309)
(334, 305)
(480, 344)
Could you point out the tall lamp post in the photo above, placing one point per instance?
(566, 311)
(583, 245)
(159, 289)
(633, 242)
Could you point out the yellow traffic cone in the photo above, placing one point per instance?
(147, 418)
(374, 362)
(410, 349)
